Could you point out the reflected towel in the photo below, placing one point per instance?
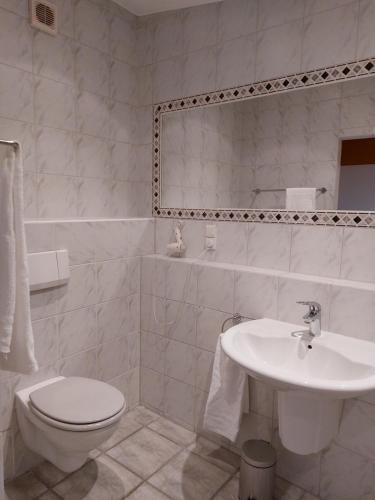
(228, 396)
(301, 199)
(16, 337)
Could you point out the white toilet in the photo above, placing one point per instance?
(63, 419)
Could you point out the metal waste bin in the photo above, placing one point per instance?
(257, 473)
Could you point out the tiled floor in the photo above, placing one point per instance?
(148, 458)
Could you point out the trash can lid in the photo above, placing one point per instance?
(258, 453)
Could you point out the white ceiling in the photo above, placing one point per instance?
(144, 7)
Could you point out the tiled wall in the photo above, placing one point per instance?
(72, 101)
(239, 41)
(89, 327)
(182, 311)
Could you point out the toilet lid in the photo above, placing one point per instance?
(78, 400)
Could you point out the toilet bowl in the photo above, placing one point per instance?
(63, 419)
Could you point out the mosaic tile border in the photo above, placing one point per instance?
(349, 71)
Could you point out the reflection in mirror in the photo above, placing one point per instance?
(255, 153)
(357, 175)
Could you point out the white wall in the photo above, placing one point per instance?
(73, 103)
(89, 327)
(218, 46)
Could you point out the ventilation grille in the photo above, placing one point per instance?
(43, 16)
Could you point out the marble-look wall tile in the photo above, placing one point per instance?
(344, 301)
(180, 361)
(122, 35)
(16, 6)
(237, 18)
(209, 295)
(16, 91)
(262, 251)
(55, 151)
(255, 295)
(283, 57)
(46, 341)
(57, 196)
(92, 114)
(199, 71)
(316, 250)
(335, 45)
(113, 318)
(168, 36)
(113, 358)
(82, 320)
(179, 401)
(91, 25)
(357, 256)
(111, 240)
(92, 70)
(200, 27)
(81, 290)
(80, 365)
(54, 104)
(15, 41)
(236, 62)
(209, 323)
(53, 57)
(112, 279)
(153, 349)
(152, 388)
(273, 13)
(365, 40)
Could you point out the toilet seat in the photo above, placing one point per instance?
(77, 404)
(77, 427)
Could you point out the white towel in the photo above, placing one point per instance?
(16, 336)
(228, 396)
(301, 199)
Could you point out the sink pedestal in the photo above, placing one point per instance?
(307, 423)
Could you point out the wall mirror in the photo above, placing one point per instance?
(303, 144)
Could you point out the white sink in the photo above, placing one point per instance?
(312, 375)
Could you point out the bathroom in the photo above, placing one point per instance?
(187, 170)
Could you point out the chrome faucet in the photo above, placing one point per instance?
(313, 317)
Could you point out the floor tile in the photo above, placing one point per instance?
(25, 487)
(146, 492)
(144, 452)
(143, 415)
(230, 491)
(127, 426)
(50, 495)
(287, 491)
(99, 479)
(172, 431)
(48, 474)
(216, 454)
(189, 477)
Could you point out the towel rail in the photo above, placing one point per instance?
(258, 190)
(14, 144)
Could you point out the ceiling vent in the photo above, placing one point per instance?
(43, 16)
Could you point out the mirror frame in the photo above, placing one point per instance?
(324, 76)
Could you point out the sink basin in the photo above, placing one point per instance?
(332, 365)
(312, 375)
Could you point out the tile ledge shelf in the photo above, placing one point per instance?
(342, 282)
(86, 219)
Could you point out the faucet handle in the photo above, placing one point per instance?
(314, 307)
